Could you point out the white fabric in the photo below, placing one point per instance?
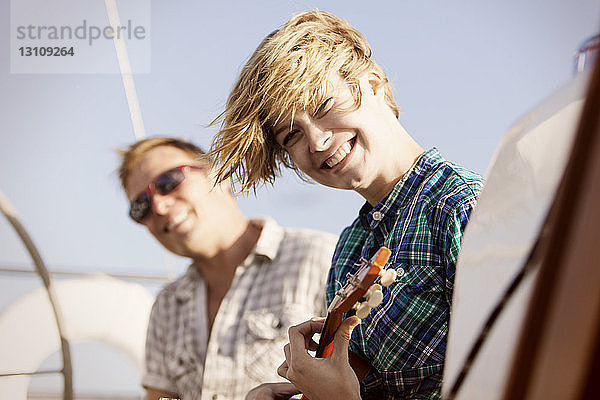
(280, 284)
(511, 209)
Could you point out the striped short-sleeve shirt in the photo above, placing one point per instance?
(421, 221)
(281, 283)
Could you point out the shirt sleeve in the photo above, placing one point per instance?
(455, 226)
(155, 373)
(322, 266)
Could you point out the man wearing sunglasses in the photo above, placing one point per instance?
(218, 330)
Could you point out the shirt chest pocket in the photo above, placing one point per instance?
(265, 338)
(415, 279)
(265, 325)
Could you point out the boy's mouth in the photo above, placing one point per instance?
(340, 154)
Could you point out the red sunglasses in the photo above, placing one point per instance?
(164, 184)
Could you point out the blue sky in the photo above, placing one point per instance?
(462, 71)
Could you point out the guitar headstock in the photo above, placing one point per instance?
(359, 285)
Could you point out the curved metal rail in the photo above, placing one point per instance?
(67, 371)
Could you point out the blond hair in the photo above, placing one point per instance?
(132, 154)
(289, 71)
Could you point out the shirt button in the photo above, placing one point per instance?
(377, 216)
(400, 272)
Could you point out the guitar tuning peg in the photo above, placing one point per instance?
(374, 287)
(388, 277)
(375, 298)
(363, 310)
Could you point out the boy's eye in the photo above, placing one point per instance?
(291, 138)
(324, 108)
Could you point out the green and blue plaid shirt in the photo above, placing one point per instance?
(421, 221)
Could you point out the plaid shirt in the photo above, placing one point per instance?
(421, 221)
(279, 284)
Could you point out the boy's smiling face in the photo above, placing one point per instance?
(336, 145)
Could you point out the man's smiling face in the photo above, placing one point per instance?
(183, 220)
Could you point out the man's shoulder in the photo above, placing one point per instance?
(308, 241)
(309, 236)
(276, 241)
(182, 284)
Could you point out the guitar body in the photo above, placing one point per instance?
(360, 366)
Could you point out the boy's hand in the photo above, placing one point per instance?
(320, 378)
(272, 391)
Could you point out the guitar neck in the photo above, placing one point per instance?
(343, 302)
(336, 315)
(332, 323)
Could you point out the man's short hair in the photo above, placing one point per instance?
(132, 154)
(289, 71)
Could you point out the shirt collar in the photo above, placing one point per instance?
(269, 240)
(185, 286)
(403, 191)
(267, 246)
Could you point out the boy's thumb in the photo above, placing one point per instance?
(342, 337)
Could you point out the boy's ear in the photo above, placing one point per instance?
(375, 82)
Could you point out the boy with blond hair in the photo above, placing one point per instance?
(312, 99)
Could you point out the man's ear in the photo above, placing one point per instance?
(224, 186)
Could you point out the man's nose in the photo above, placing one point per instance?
(160, 203)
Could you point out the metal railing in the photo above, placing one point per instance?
(67, 370)
(56, 272)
